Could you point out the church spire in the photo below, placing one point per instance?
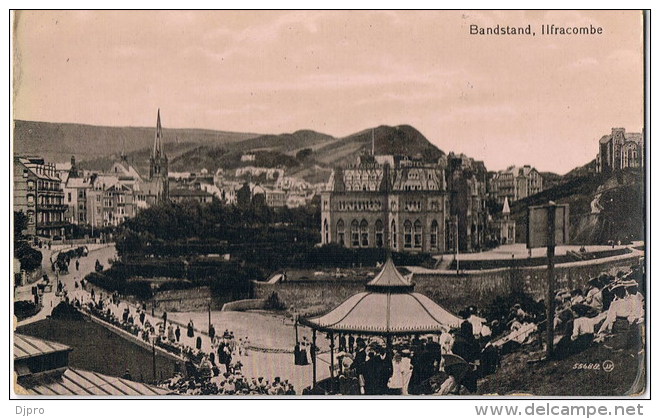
(158, 141)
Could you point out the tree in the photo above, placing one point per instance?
(20, 224)
(303, 154)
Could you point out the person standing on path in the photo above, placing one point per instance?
(177, 333)
(211, 332)
(191, 329)
(246, 343)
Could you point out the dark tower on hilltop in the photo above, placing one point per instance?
(158, 166)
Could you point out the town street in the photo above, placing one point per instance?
(50, 300)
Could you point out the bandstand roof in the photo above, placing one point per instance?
(387, 307)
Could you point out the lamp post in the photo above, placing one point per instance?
(456, 244)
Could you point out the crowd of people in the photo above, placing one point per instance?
(414, 366)
(609, 312)
(234, 383)
(215, 371)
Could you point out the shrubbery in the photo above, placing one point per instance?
(30, 258)
(139, 288)
(25, 309)
(273, 302)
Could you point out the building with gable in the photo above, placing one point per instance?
(402, 206)
(620, 150)
(515, 183)
(39, 195)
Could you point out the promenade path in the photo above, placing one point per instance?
(271, 336)
(50, 300)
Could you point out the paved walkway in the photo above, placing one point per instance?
(502, 254)
(50, 300)
(257, 364)
(520, 251)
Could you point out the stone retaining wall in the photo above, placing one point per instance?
(243, 305)
(448, 289)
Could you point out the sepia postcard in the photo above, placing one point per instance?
(328, 204)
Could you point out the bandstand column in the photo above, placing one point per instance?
(313, 351)
(332, 362)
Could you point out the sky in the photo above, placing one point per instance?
(539, 100)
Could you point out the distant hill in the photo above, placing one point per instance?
(57, 142)
(96, 147)
(308, 154)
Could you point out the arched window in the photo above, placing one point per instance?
(407, 234)
(326, 231)
(355, 234)
(418, 234)
(393, 233)
(364, 233)
(379, 233)
(340, 232)
(434, 235)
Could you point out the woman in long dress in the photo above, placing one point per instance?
(304, 345)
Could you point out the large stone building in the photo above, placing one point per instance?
(401, 207)
(620, 150)
(110, 201)
(515, 183)
(38, 194)
(466, 185)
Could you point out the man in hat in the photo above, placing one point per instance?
(467, 347)
(360, 360)
(371, 371)
(636, 300)
(422, 368)
(211, 332)
(620, 308)
(594, 296)
(435, 351)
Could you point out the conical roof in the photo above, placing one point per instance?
(506, 210)
(387, 307)
(389, 278)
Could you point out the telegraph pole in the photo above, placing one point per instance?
(457, 267)
(550, 298)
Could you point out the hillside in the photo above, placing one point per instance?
(308, 154)
(601, 207)
(520, 375)
(550, 179)
(582, 170)
(57, 142)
